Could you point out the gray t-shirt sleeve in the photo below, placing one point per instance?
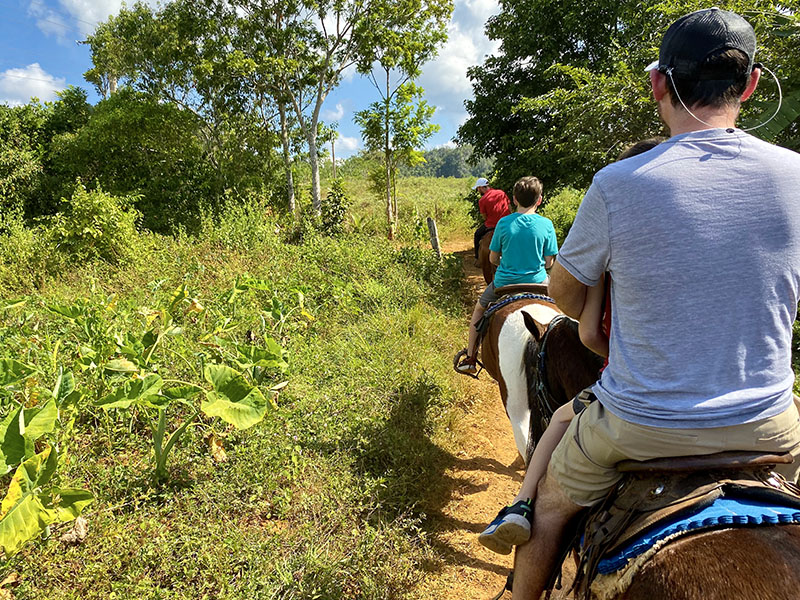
(587, 250)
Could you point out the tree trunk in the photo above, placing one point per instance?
(387, 158)
(287, 158)
(316, 199)
(394, 196)
(309, 127)
(333, 156)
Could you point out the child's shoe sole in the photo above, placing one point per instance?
(513, 530)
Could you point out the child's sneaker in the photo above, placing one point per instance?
(511, 527)
(467, 365)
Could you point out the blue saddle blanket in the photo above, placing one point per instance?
(723, 512)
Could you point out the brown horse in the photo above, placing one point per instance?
(760, 563)
(487, 268)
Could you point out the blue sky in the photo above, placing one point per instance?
(39, 56)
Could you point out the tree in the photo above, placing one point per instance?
(396, 131)
(402, 35)
(561, 99)
(183, 54)
(136, 145)
(20, 157)
(28, 182)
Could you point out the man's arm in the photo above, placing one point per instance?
(568, 292)
(494, 257)
(548, 261)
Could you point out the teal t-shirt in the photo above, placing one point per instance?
(523, 240)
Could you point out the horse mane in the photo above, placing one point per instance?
(569, 367)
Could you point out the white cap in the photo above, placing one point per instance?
(651, 66)
(482, 182)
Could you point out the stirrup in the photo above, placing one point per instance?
(457, 359)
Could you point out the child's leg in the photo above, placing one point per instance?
(590, 321)
(512, 526)
(477, 313)
(544, 450)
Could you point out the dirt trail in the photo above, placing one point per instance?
(486, 475)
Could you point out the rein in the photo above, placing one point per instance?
(544, 395)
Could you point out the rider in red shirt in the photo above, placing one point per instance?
(493, 206)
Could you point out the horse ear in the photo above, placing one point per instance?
(531, 325)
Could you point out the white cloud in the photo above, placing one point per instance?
(349, 73)
(18, 86)
(334, 115)
(346, 146)
(75, 19)
(50, 22)
(445, 79)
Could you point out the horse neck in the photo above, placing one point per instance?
(570, 365)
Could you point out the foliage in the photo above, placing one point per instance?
(562, 98)
(561, 209)
(325, 495)
(95, 225)
(30, 506)
(20, 161)
(335, 208)
(134, 144)
(783, 30)
(32, 503)
(195, 124)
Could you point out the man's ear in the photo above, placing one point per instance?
(658, 83)
(755, 76)
(539, 201)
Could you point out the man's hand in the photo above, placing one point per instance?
(568, 292)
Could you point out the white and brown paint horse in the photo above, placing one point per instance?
(510, 351)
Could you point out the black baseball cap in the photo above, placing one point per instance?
(693, 38)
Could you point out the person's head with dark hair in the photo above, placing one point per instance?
(640, 147)
(733, 69)
(705, 63)
(528, 191)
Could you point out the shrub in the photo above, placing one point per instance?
(444, 277)
(334, 209)
(561, 210)
(239, 225)
(96, 225)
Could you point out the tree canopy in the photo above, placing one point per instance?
(568, 89)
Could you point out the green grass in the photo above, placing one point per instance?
(323, 498)
(417, 198)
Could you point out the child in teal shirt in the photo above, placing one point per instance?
(524, 245)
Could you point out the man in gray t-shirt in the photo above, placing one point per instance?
(701, 237)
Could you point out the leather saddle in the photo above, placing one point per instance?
(666, 488)
(521, 288)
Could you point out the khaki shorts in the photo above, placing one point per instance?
(596, 440)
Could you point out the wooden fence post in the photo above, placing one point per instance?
(434, 237)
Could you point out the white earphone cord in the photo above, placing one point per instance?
(775, 114)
